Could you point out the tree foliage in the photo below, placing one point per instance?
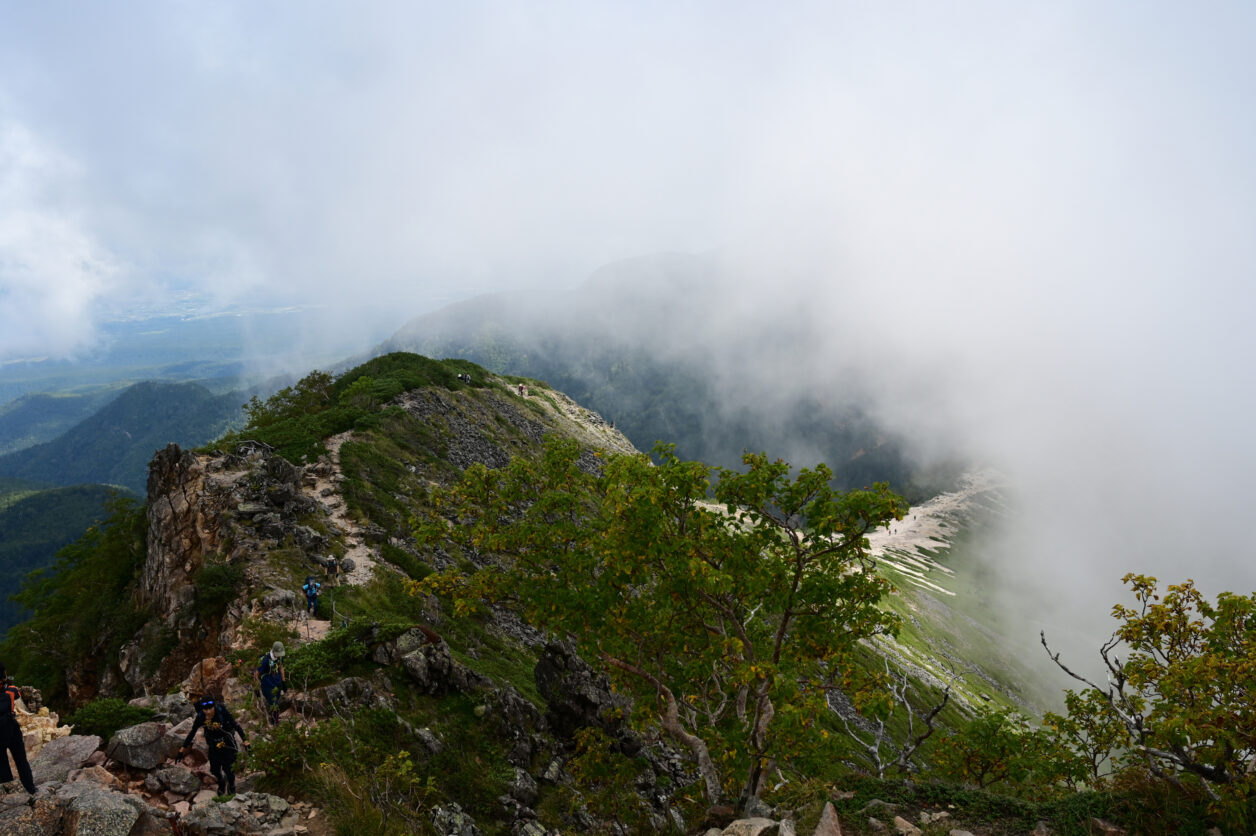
(82, 607)
(297, 418)
(1180, 704)
(727, 620)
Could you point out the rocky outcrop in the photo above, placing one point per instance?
(578, 696)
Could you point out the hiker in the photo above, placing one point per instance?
(311, 590)
(11, 742)
(270, 680)
(219, 727)
(333, 569)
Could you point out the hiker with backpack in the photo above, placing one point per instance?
(311, 590)
(220, 731)
(11, 742)
(269, 675)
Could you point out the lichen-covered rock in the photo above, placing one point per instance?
(449, 819)
(59, 757)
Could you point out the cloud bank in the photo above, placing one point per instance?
(1029, 225)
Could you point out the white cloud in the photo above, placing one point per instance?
(53, 276)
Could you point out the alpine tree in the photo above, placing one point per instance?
(1180, 704)
(728, 621)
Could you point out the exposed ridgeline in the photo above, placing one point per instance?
(249, 520)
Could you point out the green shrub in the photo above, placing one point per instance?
(216, 584)
(103, 717)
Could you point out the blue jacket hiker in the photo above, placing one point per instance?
(270, 680)
(311, 590)
(11, 742)
(219, 728)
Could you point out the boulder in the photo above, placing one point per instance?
(168, 708)
(59, 757)
(178, 779)
(144, 746)
(98, 811)
(208, 676)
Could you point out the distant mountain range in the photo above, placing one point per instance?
(114, 445)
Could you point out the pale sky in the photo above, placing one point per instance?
(1034, 221)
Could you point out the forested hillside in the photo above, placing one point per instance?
(114, 445)
(32, 419)
(35, 526)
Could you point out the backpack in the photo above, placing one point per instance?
(265, 665)
(9, 695)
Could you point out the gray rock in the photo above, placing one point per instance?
(145, 746)
(96, 811)
(523, 788)
(178, 779)
(169, 708)
(58, 757)
(450, 820)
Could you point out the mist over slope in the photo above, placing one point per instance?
(672, 350)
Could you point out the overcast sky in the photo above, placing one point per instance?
(1036, 220)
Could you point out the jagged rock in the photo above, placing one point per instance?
(208, 676)
(577, 696)
(144, 746)
(1099, 827)
(434, 670)
(308, 538)
(178, 779)
(168, 708)
(449, 820)
(828, 824)
(59, 757)
(388, 653)
(348, 694)
(248, 812)
(958, 833)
